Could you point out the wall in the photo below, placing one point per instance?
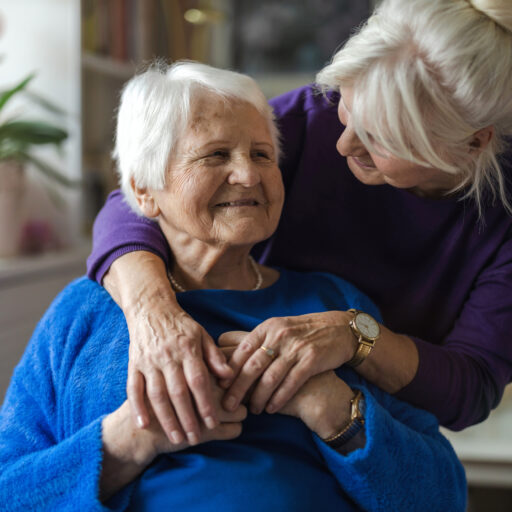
(44, 36)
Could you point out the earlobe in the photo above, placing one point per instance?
(481, 139)
(145, 201)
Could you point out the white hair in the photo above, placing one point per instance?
(427, 75)
(155, 108)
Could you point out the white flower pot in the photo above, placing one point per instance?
(12, 186)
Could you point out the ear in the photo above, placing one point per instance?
(481, 139)
(145, 201)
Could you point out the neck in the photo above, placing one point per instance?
(201, 266)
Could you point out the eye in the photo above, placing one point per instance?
(219, 153)
(261, 154)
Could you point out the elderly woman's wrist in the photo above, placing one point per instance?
(140, 279)
(124, 443)
(334, 414)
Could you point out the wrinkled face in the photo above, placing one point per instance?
(223, 183)
(374, 169)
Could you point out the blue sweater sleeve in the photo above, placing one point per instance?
(42, 468)
(386, 474)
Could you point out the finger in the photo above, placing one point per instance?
(271, 379)
(228, 352)
(215, 358)
(232, 338)
(295, 379)
(164, 412)
(227, 431)
(252, 369)
(135, 392)
(238, 414)
(246, 348)
(199, 382)
(179, 395)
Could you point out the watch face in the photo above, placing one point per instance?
(367, 326)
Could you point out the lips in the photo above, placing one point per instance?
(239, 203)
(363, 163)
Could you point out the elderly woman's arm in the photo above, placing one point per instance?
(55, 436)
(40, 470)
(405, 463)
(170, 354)
(127, 451)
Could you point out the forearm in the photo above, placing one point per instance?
(392, 363)
(125, 454)
(137, 280)
(459, 389)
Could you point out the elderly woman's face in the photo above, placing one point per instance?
(223, 183)
(376, 169)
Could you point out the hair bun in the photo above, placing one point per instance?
(500, 11)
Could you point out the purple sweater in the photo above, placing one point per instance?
(438, 274)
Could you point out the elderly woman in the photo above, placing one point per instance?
(197, 150)
(408, 201)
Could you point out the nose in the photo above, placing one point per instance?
(349, 143)
(244, 172)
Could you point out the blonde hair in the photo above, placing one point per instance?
(427, 75)
(154, 109)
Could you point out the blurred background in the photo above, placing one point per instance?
(62, 65)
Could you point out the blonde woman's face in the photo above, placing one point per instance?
(379, 169)
(223, 183)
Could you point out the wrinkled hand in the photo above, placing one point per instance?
(304, 346)
(128, 449)
(168, 358)
(229, 426)
(322, 403)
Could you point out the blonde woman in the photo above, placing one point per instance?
(400, 186)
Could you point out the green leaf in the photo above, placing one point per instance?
(46, 104)
(51, 172)
(32, 132)
(5, 96)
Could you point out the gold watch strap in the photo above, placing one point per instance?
(362, 352)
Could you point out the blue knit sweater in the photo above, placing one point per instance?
(74, 371)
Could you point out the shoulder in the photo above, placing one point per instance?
(76, 310)
(304, 101)
(81, 296)
(335, 292)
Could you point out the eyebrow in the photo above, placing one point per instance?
(222, 142)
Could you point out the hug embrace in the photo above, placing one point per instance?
(295, 295)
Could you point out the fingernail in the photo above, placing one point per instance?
(271, 409)
(140, 421)
(210, 422)
(192, 438)
(231, 402)
(176, 437)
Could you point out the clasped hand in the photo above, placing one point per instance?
(303, 346)
(171, 357)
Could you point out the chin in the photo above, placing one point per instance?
(366, 176)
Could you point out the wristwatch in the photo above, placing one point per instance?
(367, 331)
(357, 409)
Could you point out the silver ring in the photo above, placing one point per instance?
(269, 351)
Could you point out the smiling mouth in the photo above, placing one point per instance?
(361, 163)
(239, 203)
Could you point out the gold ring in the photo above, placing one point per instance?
(269, 351)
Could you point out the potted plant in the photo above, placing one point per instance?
(18, 138)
